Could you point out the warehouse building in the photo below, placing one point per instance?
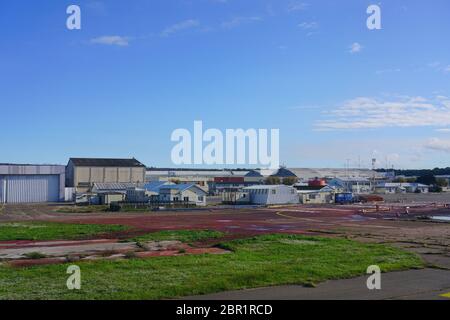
(276, 194)
(23, 183)
(82, 173)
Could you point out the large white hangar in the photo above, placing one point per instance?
(22, 183)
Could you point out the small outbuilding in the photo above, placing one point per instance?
(272, 194)
(182, 193)
(316, 194)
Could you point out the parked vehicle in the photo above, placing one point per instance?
(344, 198)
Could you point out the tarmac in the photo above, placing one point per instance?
(424, 284)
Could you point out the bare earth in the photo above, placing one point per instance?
(385, 223)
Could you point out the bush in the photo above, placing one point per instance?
(35, 255)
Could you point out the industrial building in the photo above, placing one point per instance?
(182, 193)
(356, 185)
(393, 187)
(82, 173)
(24, 183)
(276, 194)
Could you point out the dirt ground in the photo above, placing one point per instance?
(385, 223)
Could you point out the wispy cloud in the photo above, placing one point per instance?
(309, 25)
(437, 144)
(439, 67)
(297, 6)
(403, 111)
(111, 41)
(180, 26)
(443, 130)
(237, 21)
(355, 48)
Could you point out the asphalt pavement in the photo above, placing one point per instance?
(424, 284)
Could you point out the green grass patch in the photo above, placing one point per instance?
(260, 261)
(53, 230)
(187, 236)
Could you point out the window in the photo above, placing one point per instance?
(200, 198)
(186, 199)
(274, 191)
(175, 199)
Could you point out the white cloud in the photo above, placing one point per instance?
(111, 41)
(403, 111)
(438, 145)
(443, 130)
(297, 6)
(355, 48)
(439, 67)
(183, 25)
(237, 21)
(309, 25)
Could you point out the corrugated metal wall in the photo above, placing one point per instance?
(2, 186)
(31, 188)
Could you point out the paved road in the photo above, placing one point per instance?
(425, 284)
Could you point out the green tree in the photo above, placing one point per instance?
(441, 182)
(428, 179)
(272, 180)
(289, 181)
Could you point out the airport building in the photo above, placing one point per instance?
(24, 183)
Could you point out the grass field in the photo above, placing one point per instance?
(187, 236)
(255, 262)
(52, 230)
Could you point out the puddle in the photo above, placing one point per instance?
(440, 218)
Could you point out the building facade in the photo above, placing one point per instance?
(31, 183)
(182, 193)
(272, 194)
(82, 173)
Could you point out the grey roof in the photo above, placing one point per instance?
(106, 162)
(156, 185)
(182, 187)
(99, 186)
(312, 173)
(31, 169)
(253, 174)
(269, 187)
(283, 172)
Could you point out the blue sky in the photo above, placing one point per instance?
(137, 70)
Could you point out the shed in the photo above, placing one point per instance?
(272, 194)
(25, 183)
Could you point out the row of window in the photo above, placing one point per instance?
(186, 199)
(262, 191)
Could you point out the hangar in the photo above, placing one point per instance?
(24, 183)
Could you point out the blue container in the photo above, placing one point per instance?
(343, 198)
